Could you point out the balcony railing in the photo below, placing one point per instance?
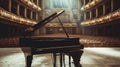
(18, 19)
(30, 4)
(90, 5)
(104, 19)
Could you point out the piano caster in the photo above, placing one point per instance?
(29, 60)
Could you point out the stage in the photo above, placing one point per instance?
(92, 57)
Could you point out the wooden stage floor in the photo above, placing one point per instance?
(92, 57)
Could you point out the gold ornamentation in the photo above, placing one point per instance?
(31, 4)
(104, 19)
(91, 4)
(12, 17)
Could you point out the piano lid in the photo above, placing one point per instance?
(45, 21)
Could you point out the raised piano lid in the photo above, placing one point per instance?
(45, 21)
(48, 19)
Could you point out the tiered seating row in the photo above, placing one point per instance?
(92, 41)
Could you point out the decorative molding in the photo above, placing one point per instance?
(30, 4)
(90, 5)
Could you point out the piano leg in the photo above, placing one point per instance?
(28, 56)
(54, 56)
(69, 61)
(64, 59)
(29, 60)
(61, 59)
(76, 55)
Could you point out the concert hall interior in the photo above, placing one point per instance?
(59, 33)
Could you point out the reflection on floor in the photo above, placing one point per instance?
(92, 57)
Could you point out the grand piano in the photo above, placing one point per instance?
(32, 45)
(14, 36)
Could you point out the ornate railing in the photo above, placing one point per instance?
(30, 4)
(18, 19)
(91, 5)
(104, 19)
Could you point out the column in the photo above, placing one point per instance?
(90, 15)
(25, 12)
(37, 16)
(9, 5)
(84, 2)
(112, 7)
(31, 15)
(37, 2)
(104, 10)
(84, 16)
(96, 12)
(18, 9)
